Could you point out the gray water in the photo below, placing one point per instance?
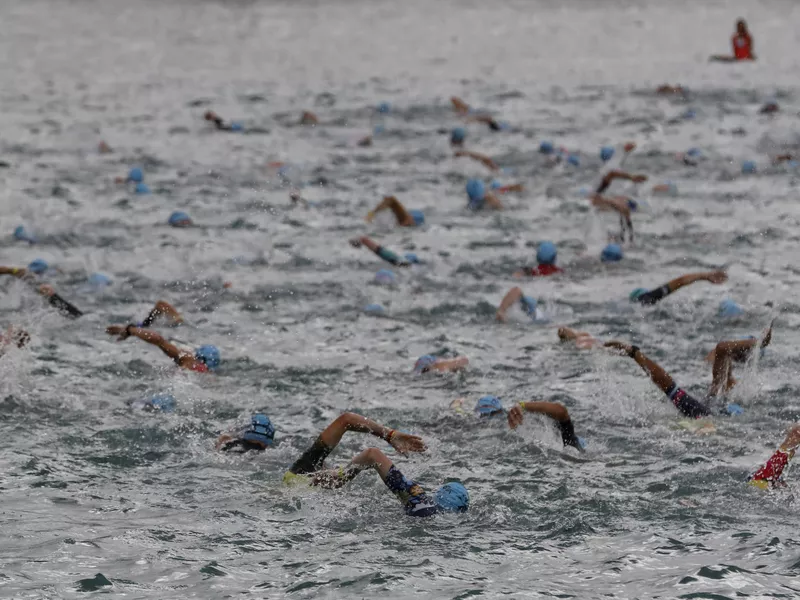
(95, 497)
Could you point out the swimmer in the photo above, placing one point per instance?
(464, 109)
(165, 310)
(770, 475)
(479, 197)
(203, 360)
(13, 335)
(429, 363)
(384, 253)
(582, 339)
(104, 148)
(528, 304)
(556, 411)
(508, 189)
(220, 124)
(461, 107)
(310, 467)
(622, 205)
(405, 218)
(670, 90)
(481, 158)
(258, 435)
(742, 44)
(722, 373)
(651, 297)
(38, 266)
(546, 255)
(308, 118)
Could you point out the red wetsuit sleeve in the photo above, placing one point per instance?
(199, 367)
(771, 471)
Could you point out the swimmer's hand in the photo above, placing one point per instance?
(119, 330)
(46, 290)
(629, 147)
(369, 218)
(501, 316)
(405, 443)
(223, 440)
(717, 277)
(515, 417)
(619, 347)
(355, 242)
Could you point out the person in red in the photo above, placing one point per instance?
(742, 43)
(770, 475)
(546, 255)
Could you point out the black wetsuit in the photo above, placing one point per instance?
(653, 296)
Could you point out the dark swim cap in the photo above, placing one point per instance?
(452, 497)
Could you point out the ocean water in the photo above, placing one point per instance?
(98, 498)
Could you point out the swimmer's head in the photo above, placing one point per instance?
(374, 309)
(236, 126)
(385, 277)
(38, 266)
(452, 497)
(99, 280)
(135, 175)
(476, 191)
(424, 363)
(528, 304)
(412, 258)
(606, 153)
(21, 234)
(546, 147)
(749, 167)
(378, 129)
(689, 114)
(634, 295)
(546, 253)
(261, 432)
(733, 409)
(741, 27)
(179, 219)
(384, 108)
(162, 402)
(728, 309)
(209, 355)
(457, 136)
(142, 188)
(574, 160)
(633, 205)
(611, 253)
(489, 406)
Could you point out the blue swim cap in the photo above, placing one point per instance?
(384, 107)
(606, 153)
(412, 258)
(488, 405)
(546, 147)
(632, 204)
(749, 167)
(179, 219)
(209, 355)
(99, 280)
(458, 135)
(38, 266)
(495, 184)
(135, 175)
(636, 293)
(529, 306)
(378, 129)
(694, 152)
(374, 309)
(23, 236)
(424, 363)
(162, 402)
(142, 188)
(734, 410)
(582, 443)
(546, 253)
(476, 190)
(689, 114)
(728, 309)
(611, 253)
(418, 216)
(385, 277)
(452, 497)
(261, 431)
(574, 160)
(236, 126)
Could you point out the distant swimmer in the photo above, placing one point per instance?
(771, 474)
(481, 158)
(405, 218)
(546, 255)
(650, 297)
(623, 206)
(671, 90)
(479, 197)
(37, 267)
(13, 335)
(742, 44)
(220, 124)
(259, 434)
(384, 253)
(308, 118)
(310, 469)
(723, 381)
(429, 363)
(204, 359)
(528, 304)
(464, 109)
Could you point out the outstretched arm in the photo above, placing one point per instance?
(659, 376)
(402, 442)
(511, 298)
(612, 175)
(554, 410)
(404, 219)
(715, 277)
(481, 158)
(14, 271)
(151, 337)
(384, 253)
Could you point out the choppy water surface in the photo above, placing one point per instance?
(96, 497)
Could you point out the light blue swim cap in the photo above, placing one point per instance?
(236, 126)
(636, 293)
(162, 402)
(385, 277)
(384, 107)
(488, 405)
(378, 129)
(412, 258)
(694, 152)
(546, 147)
(458, 135)
(179, 219)
(582, 442)
(689, 114)
(22, 235)
(424, 362)
(749, 167)
(734, 410)
(374, 309)
(529, 306)
(476, 191)
(418, 216)
(261, 430)
(99, 280)
(38, 266)
(209, 355)
(611, 253)
(142, 188)
(574, 160)
(728, 309)
(495, 184)
(135, 175)
(546, 253)
(452, 497)
(606, 153)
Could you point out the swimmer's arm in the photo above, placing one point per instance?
(554, 410)
(493, 201)
(400, 213)
(514, 187)
(459, 105)
(716, 277)
(612, 175)
(481, 158)
(14, 271)
(402, 442)
(512, 297)
(164, 309)
(450, 365)
(372, 458)
(151, 337)
(659, 376)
